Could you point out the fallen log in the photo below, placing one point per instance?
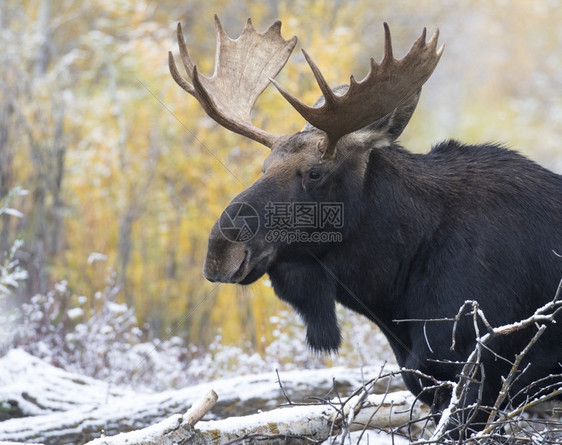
(52, 406)
(311, 422)
(174, 430)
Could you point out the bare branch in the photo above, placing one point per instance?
(544, 314)
(200, 408)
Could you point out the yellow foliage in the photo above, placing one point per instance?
(147, 172)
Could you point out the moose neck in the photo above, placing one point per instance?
(398, 214)
(392, 219)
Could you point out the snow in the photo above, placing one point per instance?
(63, 400)
(94, 257)
(108, 344)
(372, 437)
(11, 274)
(146, 435)
(21, 373)
(75, 313)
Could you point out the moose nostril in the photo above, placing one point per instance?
(210, 270)
(225, 260)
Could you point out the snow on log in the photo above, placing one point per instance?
(318, 422)
(171, 431)
(32, 387)
(71, 408)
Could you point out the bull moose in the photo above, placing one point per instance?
(419, 234)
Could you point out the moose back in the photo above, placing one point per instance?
(412, 236)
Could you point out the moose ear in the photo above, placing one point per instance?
(386, 130)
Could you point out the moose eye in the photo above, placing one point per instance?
(314, 175)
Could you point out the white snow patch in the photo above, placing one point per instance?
(95, 257)
(56, 397)
(75, 313)
(371, 437)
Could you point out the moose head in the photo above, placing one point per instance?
(323, 163)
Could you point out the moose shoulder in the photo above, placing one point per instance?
(418, 235)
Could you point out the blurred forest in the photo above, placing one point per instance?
(109, 172)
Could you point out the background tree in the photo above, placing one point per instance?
(126, 174)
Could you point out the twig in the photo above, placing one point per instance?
(200, 408)
(520, 409)
(282, 388)
(511, 376)
(546, 313)
(269, 438)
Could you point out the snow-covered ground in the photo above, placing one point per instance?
(81, 378)
(61, 407)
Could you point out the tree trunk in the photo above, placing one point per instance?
(6, 163)
(44, 21)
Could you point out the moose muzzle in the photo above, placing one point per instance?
(226, 260)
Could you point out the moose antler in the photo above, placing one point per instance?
(243, 68)
(386, 86)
